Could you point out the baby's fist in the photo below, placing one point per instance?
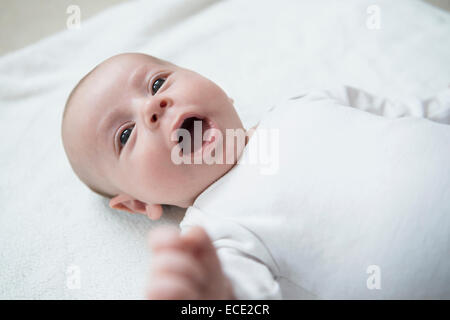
(186, 267)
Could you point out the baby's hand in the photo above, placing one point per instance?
(186, 267)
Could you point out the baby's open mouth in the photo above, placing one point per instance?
(196, 127)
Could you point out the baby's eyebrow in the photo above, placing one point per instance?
(105, 130)
(135, 80)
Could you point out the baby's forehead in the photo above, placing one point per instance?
(116, 71)
(131, 60)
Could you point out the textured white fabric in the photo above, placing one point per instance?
(257, 50)
(352, 190)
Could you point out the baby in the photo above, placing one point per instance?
(357, 205)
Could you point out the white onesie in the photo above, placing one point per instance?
(357, 207)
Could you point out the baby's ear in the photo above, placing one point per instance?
(131, 205)
(127, 203)
(231, 100)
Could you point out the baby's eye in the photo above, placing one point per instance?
(157, 84)
(124, 136)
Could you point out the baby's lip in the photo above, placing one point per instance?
(179, 121)
(181, 118)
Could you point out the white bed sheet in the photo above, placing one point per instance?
(258, 51)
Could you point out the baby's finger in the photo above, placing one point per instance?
(171, 262)
(203, 249)
(171, 288)
(198, 239)
(164, 237)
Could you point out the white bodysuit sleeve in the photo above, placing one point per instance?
(251, 279)
(244, 257)
(436, 108)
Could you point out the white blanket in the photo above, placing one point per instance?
(58, 240)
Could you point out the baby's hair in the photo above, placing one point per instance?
(67, 107)
(75, 89)
(99, 192)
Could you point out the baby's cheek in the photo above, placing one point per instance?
(149, 165)
(156, 171)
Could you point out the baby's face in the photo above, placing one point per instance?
(118, 131)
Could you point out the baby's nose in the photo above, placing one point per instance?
(154, 111)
